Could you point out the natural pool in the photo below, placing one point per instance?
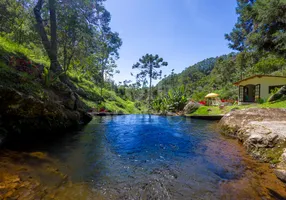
(141, 157)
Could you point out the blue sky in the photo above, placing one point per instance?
(183, 32)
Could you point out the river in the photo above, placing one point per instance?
(137, 157)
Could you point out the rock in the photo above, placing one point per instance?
(23, 113)
(191, 107)
(86, 117)
(240, 118)
(278, 95)
(283, 156)
(3, 135)
(170, 114)
(263, 133)
(256, 127)
(81, 92)
(281, 174)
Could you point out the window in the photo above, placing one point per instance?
(274, 87)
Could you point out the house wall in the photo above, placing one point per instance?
(264, 82)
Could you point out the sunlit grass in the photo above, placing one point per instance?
(111, 101)
(216, 110)
(32, 53)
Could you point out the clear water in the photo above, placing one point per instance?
(137, 157)
(150, 157)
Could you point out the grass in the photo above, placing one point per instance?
(20, 81)
(111, 101)
(33, 53)
(25, 83)
(215, 110)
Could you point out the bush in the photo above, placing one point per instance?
(174, 101)
(260, 101)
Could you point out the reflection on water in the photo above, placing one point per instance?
(153, 157)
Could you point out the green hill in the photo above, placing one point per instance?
(25, 81)
(218, 74)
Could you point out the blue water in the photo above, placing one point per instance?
(150, 157)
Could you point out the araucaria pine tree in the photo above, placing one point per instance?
(149, 66)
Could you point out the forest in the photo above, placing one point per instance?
(71, 41)
(258, 41)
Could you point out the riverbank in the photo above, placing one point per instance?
(37, 104)
(262, 132)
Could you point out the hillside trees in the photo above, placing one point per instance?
(269, 33)
(16, 20)
(260, 27)
(77, 26)
(107, 47)
(244, 25)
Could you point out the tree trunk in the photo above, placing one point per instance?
(55, 67)
(150, 86)
(102, 82)
(40, 27)
(50, 46)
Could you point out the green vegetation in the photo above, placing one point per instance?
(174, 101)
(33, 53)
(258, 36)
(28, 84)
(73, 43)
(149, 69)
(215, 110)
(95, 98)
(19, 80)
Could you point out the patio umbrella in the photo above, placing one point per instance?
(211, 95)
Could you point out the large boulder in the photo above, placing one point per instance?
(280, 170)
(278, 95)
(262, 132)
(237, 119)
(191, 107)
(23, 114)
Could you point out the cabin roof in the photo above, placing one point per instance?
(257, 76)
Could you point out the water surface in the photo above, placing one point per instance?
(154, 157)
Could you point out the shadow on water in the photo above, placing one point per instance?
(147, 157)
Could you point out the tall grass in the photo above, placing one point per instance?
(32, 53)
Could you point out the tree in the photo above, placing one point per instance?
(244, 25)
(270, 27)
(240, 63)
(149, 68)
(75, 29)
(108, 45)
(261, 26)
(49, 45)
(269, 64)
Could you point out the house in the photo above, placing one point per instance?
(258, 87)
